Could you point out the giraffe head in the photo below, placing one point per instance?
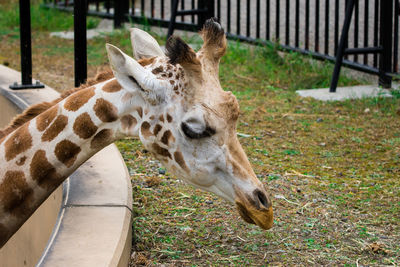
(187, 120)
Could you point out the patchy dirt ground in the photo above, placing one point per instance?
(332, 169)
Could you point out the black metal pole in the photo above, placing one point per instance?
(174, 8)
(342, 46)
(80, 45)
(121, 8)
(26, 48)
(385, 60)
(25, 36)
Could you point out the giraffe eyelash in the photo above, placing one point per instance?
(193, 135)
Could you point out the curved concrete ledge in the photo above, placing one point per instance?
(89, 219)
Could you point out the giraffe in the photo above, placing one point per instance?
(172, 101)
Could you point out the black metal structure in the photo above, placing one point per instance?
(204, 11)
(384, 50)
(310, 27)
(26, 48)
(80, 46)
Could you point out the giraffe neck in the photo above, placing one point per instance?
(38, 156)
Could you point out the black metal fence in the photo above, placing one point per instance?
(307, 26)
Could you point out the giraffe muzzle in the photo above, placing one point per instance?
(255, 208)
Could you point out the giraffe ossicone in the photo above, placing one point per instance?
(173, 102)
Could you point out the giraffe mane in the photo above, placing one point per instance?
(34, 110)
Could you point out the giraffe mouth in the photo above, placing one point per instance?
(255, 209)
(263, 218)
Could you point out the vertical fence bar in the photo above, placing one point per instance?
(297, 18)
(162, 9)
(316, 39)
(25, 39)
(326, 38)
(133, 7)
(174, 7)
(366, 28)
(396, 36)
(228, 14)
(80, 46)
(342, 45)
(267, 19)
(287, 24)
(385, 30)
(120, 9)
(376, 21)
(336, 25)
(238, 17)
(183, 8)
(258, 20)
(107, 5)
(193, 7)
(356, 17)
(151, 7)
(219, 10)
(142, 10)
(277, 24)
(307, 25)
(248, 18)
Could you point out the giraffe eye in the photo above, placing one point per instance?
(192, 134)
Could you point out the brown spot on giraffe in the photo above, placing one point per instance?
(43, 172)
(21, 161)
(78, 99)
(66, 152)
(139, 111)
(106, 111)
(179, 159)
(167, 138)
(15, 193)
(146, 61)
(128, 122)
(161, 118)
(127, 97)
(84, 126)
(169, 118)
(55, 128)
(151, 117)
(101, 139)
(20, 141)
(172, 82)
(157, 129)
(161, 151)
(112, 87)
(145, 129)
(44, 119)
(169, 74)
(157, 70)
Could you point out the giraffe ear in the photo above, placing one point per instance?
(144, 45)
(133, 77)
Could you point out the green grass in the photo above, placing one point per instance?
(42, 19)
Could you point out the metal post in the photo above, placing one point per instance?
(342, 46)
(80, 45)
(121, 8)
(209, 6)
(26, 48)
(385, 29)
(174, 8)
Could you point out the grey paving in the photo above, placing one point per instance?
(343, 93)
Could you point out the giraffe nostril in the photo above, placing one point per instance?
(261, 197)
